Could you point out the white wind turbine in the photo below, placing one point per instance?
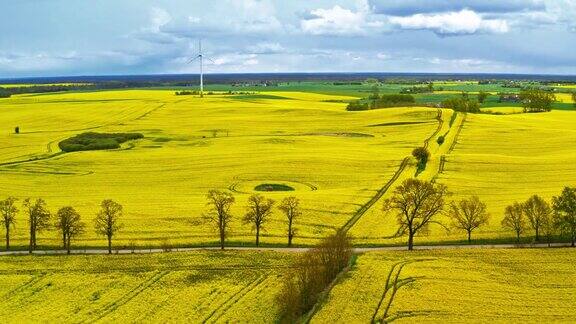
(201, 58)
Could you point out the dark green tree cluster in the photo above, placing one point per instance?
(461, 104)
(535, 100)
(428, 88)
(68, 221)
(376, 101)
(4, 93)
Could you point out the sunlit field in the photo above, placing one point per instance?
(179, 287)
(334, 159)
(459, 286)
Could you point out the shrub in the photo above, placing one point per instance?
(440, 140)
(4, 93)
(421, 154)
(96, 141)
(312, 273)
(357, 106)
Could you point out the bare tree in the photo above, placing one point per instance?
(220, 203)
(8, 211)
(38, 219)
(416, 204)
(565, 212)
(538, 212)
(107, 221)
(258, 211)
(514, 219)
(290, 206)
(468, 215)
(69, 224)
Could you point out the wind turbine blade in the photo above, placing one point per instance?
(194, 59)
(209, 59)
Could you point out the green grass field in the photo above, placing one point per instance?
(459, 286)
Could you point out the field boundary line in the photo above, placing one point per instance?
(453, 145)
(364, 208)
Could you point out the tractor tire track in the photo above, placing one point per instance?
(364, 208)
(228, 303)
(455, 141)
(111, 307)
(438, 129)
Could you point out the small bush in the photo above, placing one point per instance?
(5, 93)
(440, 140)
(357, 106)
(96, 141)
(421, 154)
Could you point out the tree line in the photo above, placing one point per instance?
(67, 221)
(417, 204)
(257, 214)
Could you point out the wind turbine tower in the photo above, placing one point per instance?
(200, 57)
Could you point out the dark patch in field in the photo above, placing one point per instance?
(91, 141)
(397, 124)
(273, 187)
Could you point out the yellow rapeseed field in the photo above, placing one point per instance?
(170, 287)
(336, 160)
(459, 286)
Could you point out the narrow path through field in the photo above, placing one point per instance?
(380, 193)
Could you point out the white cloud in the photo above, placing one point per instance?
(452, 23)
(383, 56)
(159, 17)
(338, 21)
(266, 48)
(236, 59)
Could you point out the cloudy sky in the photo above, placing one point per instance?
(85, 37)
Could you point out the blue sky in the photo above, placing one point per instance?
(81, 37)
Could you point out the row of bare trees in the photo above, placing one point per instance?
(417, 204)
(546, 219)
(257, 214)
(68, 221)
